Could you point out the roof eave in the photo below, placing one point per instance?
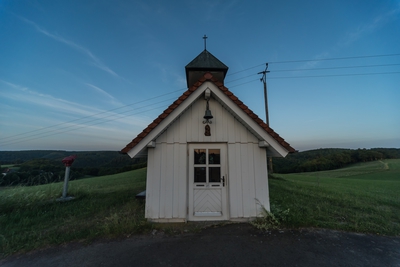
(163, 122)
(279, 147)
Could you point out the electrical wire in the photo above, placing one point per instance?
(83, 124)
(313, 60)
(334, 68)
(76, 127)
(333, 58)
(335, 75)
(81, 127)
(93, 115)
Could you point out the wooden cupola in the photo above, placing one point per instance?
(205, 62)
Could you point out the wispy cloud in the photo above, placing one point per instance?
(24, 94)
(62, 106)
(367, 28)
(95, 61)
(103, 92)
(316, 62)
(166, 73)
(375, 24)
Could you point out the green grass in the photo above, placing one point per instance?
(7, 165)
(361, 198)
(10, 166)
(103, 207)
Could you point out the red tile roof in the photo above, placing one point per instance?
(173, 106)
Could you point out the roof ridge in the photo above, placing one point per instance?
(204, 59)
(187, 93)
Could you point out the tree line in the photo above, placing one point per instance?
(42, 167)
(330, 158)
(84, 158)
(47, 166)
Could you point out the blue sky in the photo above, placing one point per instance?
(90, 75)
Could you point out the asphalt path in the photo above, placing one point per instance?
(228, 245)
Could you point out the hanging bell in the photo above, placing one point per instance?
(208, 115)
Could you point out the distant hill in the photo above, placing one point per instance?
(85, 159)
(45, 166)
(330, 158)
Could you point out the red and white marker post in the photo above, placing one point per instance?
(67, 162)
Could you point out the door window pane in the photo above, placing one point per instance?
(199, 174)
(214, 174)
(214, 156)
(199, 156)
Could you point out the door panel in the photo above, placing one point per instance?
(207, 202)
(207, 184)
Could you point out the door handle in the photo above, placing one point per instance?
(223, 180)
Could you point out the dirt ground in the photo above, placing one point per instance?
(228, 245)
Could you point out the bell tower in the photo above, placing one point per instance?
(205, 62)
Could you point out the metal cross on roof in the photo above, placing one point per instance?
(205, 41)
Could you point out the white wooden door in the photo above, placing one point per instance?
(207, 182)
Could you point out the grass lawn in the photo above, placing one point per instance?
(104, 207)
(10, 166)
(361, 198)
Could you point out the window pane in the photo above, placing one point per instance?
(199, 174)
(214, 175)
(199, 156)
(214, 156)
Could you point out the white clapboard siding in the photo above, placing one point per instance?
(166, 182)
(167, 175)
(261, 181)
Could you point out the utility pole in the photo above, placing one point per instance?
(264, 80)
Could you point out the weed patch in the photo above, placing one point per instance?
(271, 220)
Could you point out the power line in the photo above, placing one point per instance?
(57, 131)
(256, 66)
(244, 83)
(313, 60)
(242, 78)
(335, 75)
(345, 67)
(328, 68)
(93, 115)
(333, 58)
(75, 127)
(38, 133)
(314, 76)
(81, 125)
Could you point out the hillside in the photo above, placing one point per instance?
(104, 207)
(360, 198)
(45, 166)
(36, 167)
(330, 159)
(85, 159)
